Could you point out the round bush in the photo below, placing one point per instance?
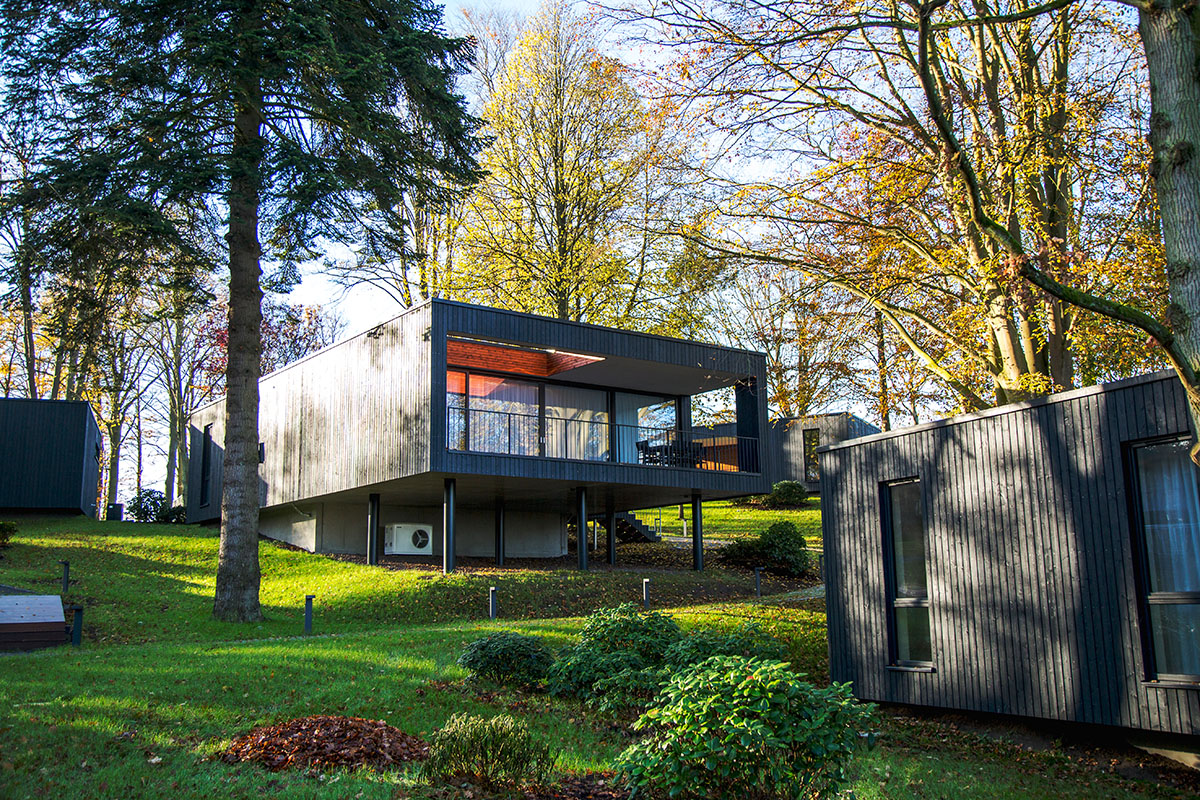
(787, 494)
(146, 505)
(780, 548)
(746, 728)
(491, 752)
(627, 628)
(748, 640)
(507, 657)
(579, 668)
(173, 515)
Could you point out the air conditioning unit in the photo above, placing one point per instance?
(408, 539)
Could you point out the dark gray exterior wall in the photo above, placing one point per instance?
(372, 410)
(1033, 604)
(783, 450)
(462, 319)
(352, 415)
(50, 450)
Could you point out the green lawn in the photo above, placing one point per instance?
(724, 520)
(140, 710)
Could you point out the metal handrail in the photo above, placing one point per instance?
(515, 433)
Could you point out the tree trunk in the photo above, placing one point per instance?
(881, 364)
(238, 574)
(1170, 33)
(114, 460)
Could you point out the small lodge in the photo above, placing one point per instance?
(51, 455)
(1040, 559)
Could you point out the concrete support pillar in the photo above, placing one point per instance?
(697, 533)
(373, 542)
(448, 527)
(581, 525)
(500, 532)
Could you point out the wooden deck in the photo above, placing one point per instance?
(31, 621)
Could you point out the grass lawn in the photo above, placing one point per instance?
(724, 520)
(140, 710)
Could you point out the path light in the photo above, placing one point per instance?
(646, 593)
(308, 598)
(758, 581)
(493, 609)
(77, 626)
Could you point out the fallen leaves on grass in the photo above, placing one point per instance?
(327, 741)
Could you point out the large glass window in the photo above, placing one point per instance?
(503, 415)
(904, 538)
(1169, 506)
(646, 428)
(456, 410)
(576, 423)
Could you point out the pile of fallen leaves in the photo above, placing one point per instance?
(327, 741)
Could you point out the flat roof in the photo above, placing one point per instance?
(1009, 408)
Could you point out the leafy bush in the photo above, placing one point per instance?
(173, 515)
(7, 531)
(579, 668)
(491, 752)
(146, 505)
(628, 689)
(780, 548)
(787, 494)
(748, 640)
(507, 657)
(627, 628)
(747, 728)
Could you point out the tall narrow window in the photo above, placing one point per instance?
(812, 440)
(904, 540)
(1169, 546)
(206, 465)
(456, 410)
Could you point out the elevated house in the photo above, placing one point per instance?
(50, 450)
(461, 430)
(1040, 559)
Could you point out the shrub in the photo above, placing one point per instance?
(787, 494)
(507, 657)
(747, 728)
(628, 689)
(146, 505)
(627, 628)
(579, 668)
(7, 531)
(748, 640)
(173, 515)
(780, 548)
(491, 752)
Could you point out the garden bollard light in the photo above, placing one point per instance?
(646, 593)
(308, 598)
(758, 581)
(66, 576)
(77, 626)
(493, 609)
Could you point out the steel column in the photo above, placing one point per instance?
(697, 534)
(581, 525)
(448, 527)
(373, 529)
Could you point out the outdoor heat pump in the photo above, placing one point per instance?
(407, 539)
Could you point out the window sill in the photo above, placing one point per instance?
(1169, 684)
(910, 668)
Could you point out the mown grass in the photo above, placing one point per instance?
(142, 583)
(724, 520)
(145, 720)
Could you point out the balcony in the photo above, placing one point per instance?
(596, 440)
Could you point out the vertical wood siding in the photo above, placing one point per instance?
(48, 452)
(1033, 601)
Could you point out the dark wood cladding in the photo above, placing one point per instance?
(352, 415)
(372, 409)
(525, 329)
(50, 450)
(1030, 558)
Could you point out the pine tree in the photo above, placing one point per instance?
(289, 115)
